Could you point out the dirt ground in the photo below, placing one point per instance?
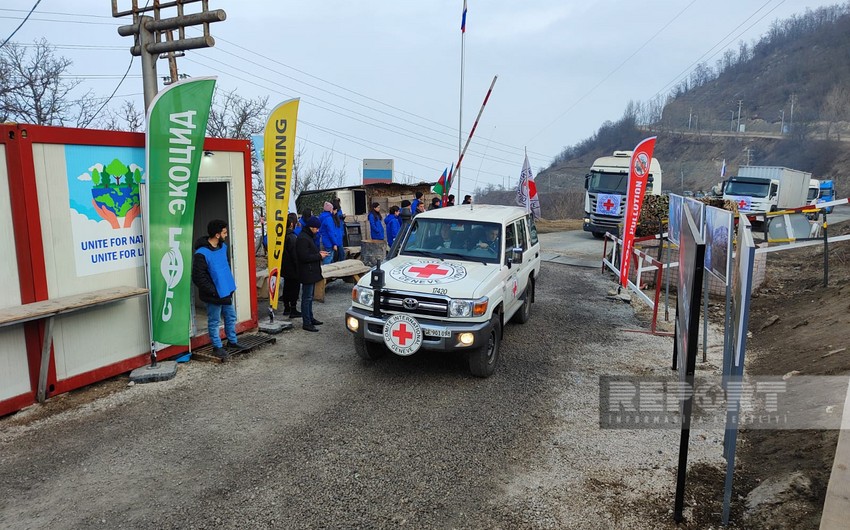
(795, 322)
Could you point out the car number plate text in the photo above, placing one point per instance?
(442, 333)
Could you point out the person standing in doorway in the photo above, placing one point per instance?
(393, 222)
(376, 225)
(212, 275)
(309, 259)
(289, 269)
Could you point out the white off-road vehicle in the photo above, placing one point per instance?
(456, 276)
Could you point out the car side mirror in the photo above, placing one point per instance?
(515, 256)
(586, 181)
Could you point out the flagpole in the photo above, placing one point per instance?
(460, 107)
(527, 188)
(474, 125)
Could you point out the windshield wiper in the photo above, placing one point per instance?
(423, 253)
(465, 257)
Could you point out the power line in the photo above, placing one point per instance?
(720, 43)
(495, 159)
(62, 21)
(612, 72)
(132, 57)
(24, 21)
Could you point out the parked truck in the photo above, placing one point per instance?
(760, 189)
(606, 186)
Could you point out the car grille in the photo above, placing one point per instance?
(435, 306)
(609, 221)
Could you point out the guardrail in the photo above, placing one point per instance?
(644, 263)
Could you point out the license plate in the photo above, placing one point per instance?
(442, 333)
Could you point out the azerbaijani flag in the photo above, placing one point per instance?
(463, 20)
(448, 184)
(440, 187)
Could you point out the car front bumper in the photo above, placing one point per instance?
(371, 328)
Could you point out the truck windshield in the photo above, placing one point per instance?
(452, 239)
(750, 189)
(813, 194)
(608, 182)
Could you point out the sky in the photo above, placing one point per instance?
(382, 78)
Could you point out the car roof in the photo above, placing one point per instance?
(492, 213)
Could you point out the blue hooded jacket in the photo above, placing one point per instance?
(393, 223)
(329, 233)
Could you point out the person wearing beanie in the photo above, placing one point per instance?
(309, 259)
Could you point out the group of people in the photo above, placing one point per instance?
(310, 242)
(387, 229)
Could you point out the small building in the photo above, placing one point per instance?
(355, 200)
(68, 196)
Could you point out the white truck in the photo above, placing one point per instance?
(459, 275)
(606, 186)
(761, 189)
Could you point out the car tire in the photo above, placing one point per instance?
(524, 314)
(370, 351)
(482, 360)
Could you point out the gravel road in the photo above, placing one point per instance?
(303, 434)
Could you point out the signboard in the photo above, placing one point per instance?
(718, 241)
(608, 204)
(377, 170)
(697, 209)
(742, 289)
(691, 263)
(638, 178)
(674, 219)
(103, 192)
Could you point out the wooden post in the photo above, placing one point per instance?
(371, 250)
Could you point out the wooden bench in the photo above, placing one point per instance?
(350, 270)
(48, 309)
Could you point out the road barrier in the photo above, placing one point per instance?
(644, 263)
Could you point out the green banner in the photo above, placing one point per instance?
(177, 122)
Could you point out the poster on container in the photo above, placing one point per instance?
(103, 195)
(177, 123)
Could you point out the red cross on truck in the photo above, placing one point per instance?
(432, 269)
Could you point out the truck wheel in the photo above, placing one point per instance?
(482, 360)
(369, 350)
(524, 313)
(599, 235)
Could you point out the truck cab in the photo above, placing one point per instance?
(459, 274)
(752, 194)
(607, 187)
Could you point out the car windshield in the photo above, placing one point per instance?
(607, 182)
(750, 189)
(452, 239)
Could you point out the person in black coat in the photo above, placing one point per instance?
(289, 269)
(309, 260)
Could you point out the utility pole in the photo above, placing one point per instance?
(732, 121)
(740, 103)
(690, 115)
(791, 118)
(782, 124)
(148, 32)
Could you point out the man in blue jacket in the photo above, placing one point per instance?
(330, 233)
(212, 275)
(393, 222)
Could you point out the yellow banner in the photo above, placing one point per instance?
(278, 152)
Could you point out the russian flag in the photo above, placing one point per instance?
(463, 20)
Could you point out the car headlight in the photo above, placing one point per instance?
(363, 295)
(468, 308)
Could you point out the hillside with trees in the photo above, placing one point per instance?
(792, 87)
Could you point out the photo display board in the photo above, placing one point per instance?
(674, 218)
(719, 234)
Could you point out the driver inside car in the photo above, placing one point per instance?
(490, 240)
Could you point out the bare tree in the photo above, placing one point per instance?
(318, 175)
(232, 116)
(33, 89)
(836, 107)
(126, 118)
